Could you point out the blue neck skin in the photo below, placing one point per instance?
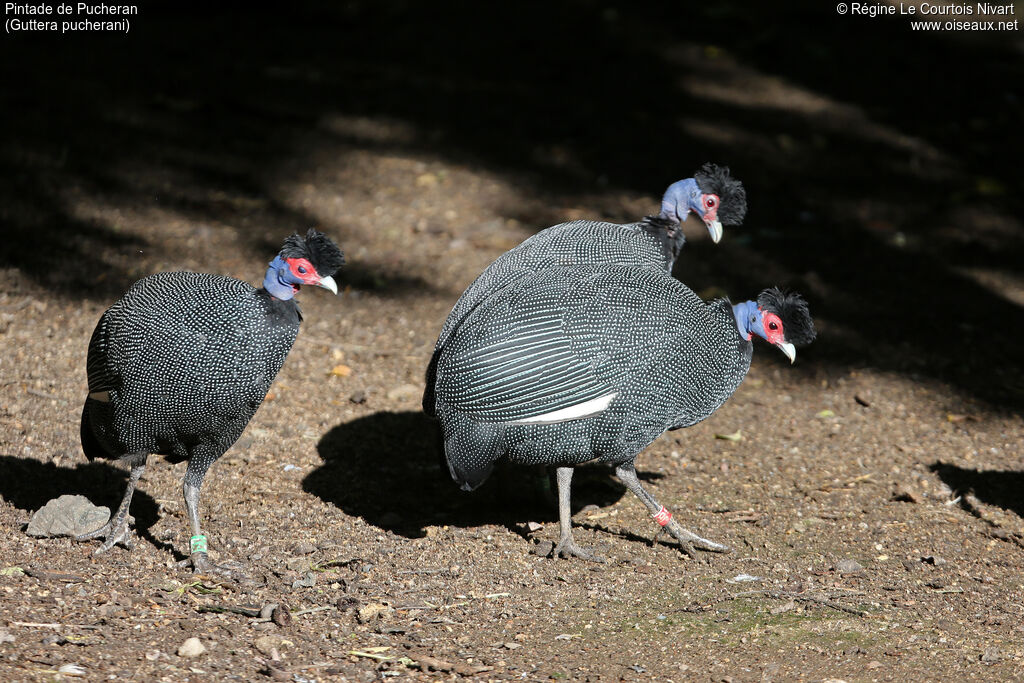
(748, 319)
(679, 199)
(277, 280)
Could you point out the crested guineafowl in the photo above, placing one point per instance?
(654, 242)
(180, 364)
(569, 365)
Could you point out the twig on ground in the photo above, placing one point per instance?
(42, 574)
(429, 661)
(36, 624)
(800, 597)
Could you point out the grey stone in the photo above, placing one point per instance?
(67, 516)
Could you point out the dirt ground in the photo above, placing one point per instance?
(871, 493)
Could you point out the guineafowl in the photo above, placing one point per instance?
(712, 193)
(180, 364)
(569, 365)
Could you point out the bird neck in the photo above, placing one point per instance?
(274, 281)
(678, 199)
(743, 313)
(669, 234)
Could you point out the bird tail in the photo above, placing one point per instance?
(471, 449)
(90, 444)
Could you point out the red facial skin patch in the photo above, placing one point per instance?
(303, 270)
(662, 516)
(773, 329)
(710, 203)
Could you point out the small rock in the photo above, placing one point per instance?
(72, 670)
(405, 392)
(533, 526)
(346, 603)
(67, 516)
(271, 645)
(512, 646)
(358, 397)
(905, 494)
(849, 567)
(192, 647)
(303, 548)
(282, 616)
(935, 560)
(874, 664)
(341, 370)
(991, 655)
(909, 565)
(374, 610)
(543, 549)
(308, 580)
(781, 609)
(5, 636)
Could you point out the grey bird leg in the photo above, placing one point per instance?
(687, 539)
(116, 530)
(198, 558)
(566, 545)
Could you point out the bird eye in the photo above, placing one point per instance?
(710, 201)
(773, 326)
(302, 270)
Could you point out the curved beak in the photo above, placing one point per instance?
(789, 350)
(715, 228)
(328, 283)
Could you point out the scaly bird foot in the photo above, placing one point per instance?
(201, 564)
(113, 535)
(689, 540)
(567, 547)
(114, 532)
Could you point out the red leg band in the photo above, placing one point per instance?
(662, 516)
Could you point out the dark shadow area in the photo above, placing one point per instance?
(388, 469)
(29, 484)
(1004, 489)
(882, 164)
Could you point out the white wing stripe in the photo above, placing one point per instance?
(576, 412)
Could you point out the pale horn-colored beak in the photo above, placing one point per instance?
(789, 350)
(328, 283)
(715, 228)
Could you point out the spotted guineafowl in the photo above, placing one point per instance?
(712, 194)
(569, 365)
(180, 364)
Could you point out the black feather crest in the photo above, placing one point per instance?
(791, 308)
(732, 198)
(318, 248)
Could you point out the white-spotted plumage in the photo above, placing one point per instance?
(596, 362)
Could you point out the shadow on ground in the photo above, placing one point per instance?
(1004, 489)
(882, 164)
(29, 484)
(387, 468)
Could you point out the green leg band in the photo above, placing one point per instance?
(198, 544)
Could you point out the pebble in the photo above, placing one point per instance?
(405, 392)
(849, 567)
(192, 647)
(303, 548)
(543, 548)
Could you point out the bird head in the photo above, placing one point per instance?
(309, 260)
(780, 318)
(712, 194)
